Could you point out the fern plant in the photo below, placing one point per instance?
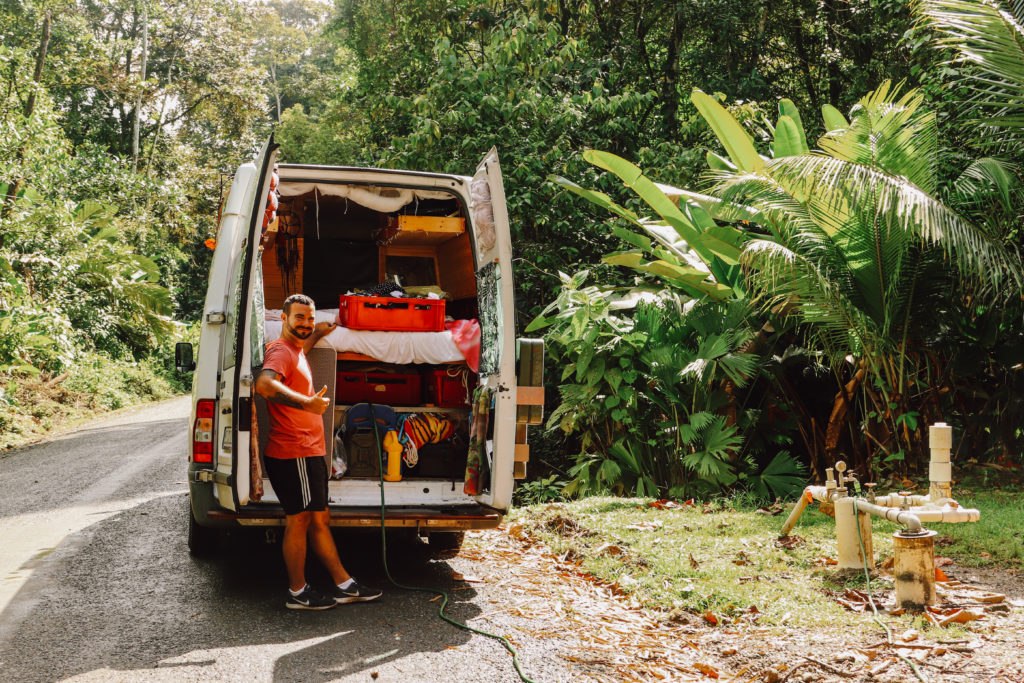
(641, 388)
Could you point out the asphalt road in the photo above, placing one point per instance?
(96, 583)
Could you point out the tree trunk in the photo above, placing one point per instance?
(669, 96)
(30, 105)
(840, 409)
(163, 103)
(142, 81)
(277, 91)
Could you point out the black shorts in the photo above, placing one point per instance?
(300, 483)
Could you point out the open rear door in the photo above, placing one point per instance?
(492, 245)
(242, 223)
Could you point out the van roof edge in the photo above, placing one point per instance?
(370, 169)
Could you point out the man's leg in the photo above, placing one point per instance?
(293, 547)
(322, 542)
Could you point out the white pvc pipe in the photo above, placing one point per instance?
(895, 500)
(819, 493)
(798, 510)
(907, 519)
(948, 515)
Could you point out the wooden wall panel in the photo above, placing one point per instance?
(274, 292)
(455, 267)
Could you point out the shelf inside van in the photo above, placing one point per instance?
(412, 409)
(352, 355)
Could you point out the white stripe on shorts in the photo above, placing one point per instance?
(303, 481)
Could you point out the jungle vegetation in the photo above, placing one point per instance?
(789, 230)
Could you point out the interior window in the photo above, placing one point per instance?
(412, 271)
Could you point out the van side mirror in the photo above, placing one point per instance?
(183, 357)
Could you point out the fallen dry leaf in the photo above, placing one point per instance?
(665, 504)
(881, 667)
(910, 635)
(854, 600)
(694, 563)
(823, 561)
(608, 549)
(706, 669)
(951, 615)
(710, 617)
(789, 542)
(942, 561)
(646, 525)
(468, 578)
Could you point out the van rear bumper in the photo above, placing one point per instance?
(368, 518)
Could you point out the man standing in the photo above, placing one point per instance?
(295, 458)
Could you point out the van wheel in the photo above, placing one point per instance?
(202, 540)
(446, 540)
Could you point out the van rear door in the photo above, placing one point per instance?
(243, 309)
(492, 244)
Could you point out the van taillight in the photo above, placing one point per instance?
(202, 432)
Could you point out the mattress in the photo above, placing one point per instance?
(389, 347)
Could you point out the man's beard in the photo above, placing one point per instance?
(301, 334)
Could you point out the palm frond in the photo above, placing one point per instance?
(984, 34)
(914, 211)
(840, 324)
(988, 182)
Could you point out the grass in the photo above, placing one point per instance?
(998, 539)
(31, 406)
(723, 558)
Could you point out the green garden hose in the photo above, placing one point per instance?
(867, 579)
(444, 595)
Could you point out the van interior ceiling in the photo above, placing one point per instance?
(332, 240)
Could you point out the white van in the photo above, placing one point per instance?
(337, 232)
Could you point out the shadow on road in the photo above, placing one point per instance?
(124, 595)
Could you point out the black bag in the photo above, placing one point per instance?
(443, 460)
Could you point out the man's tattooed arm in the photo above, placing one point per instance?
(285, 400)
(269, 386)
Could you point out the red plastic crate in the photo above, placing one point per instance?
(392, 314)
(386, 388)
(449, 387)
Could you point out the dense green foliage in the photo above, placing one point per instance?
(851, 252)
(839, 269)
(102, 240)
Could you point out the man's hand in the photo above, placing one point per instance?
(320, 330)
(317, 404)
(324, 328)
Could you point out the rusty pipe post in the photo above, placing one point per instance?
(914, 566)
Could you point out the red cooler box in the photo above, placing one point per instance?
(386, 388)
(392, 314)
(449, 387)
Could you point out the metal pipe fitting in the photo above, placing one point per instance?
(908, 519)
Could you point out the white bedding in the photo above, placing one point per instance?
(390, 347)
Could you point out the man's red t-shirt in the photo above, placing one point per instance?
(294, 432)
